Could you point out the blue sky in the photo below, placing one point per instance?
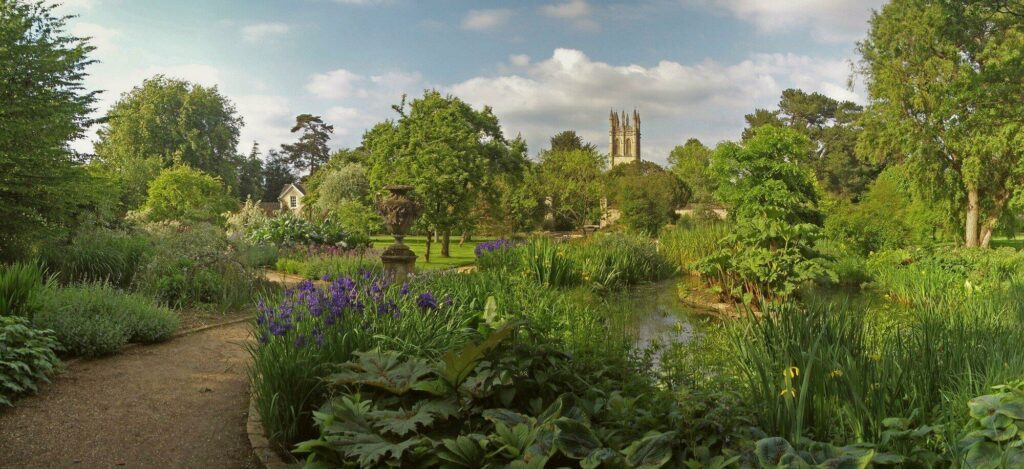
(693, 68)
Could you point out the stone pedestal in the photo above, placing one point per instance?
(399, 262)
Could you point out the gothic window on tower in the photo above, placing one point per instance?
(629, 147)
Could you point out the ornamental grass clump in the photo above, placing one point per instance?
(21, 288)
(305, 331)
(497, 254)
(318, 262)
(618, 260)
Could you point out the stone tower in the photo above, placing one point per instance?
(624, 137)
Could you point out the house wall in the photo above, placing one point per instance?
(285, 200)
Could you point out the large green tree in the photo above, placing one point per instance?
(168, 122)
(646, 194)
(276, 174)
(568, 140)
(572, 185)
(446, 150)
(186, 194)
(945, 80)
(310, 151)
(43, 106)
(691, 163)
(833, 128)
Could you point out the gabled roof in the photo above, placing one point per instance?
(297, 187)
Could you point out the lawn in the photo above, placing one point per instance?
(460, 254)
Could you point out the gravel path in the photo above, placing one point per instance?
(181, 403)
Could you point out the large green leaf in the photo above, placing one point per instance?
(606, 456)
(458, 364)
(462, 452)
(983, 455)
(575, 439)
(386, 370)
(770, 451)
(651, 451)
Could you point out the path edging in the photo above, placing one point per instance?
(261, 449)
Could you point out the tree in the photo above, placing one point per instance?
(250, 175)
(571, 183)
(568, 140)
(311, 150)
(276, 174)
(646, 194)
(691, 163)
(174, 122)
(186, 194)
(833, 128)
(945, 81)
(446, 150)
(43, 106)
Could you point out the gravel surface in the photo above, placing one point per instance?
(181, 403)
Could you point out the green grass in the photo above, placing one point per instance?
(460, 255)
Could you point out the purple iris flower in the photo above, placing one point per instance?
(404, 290)
(426, 301)
(300, 341)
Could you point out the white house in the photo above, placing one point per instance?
(291, 197)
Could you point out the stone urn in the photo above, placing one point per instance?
(399, 211)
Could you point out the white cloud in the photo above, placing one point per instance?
(578, 12)
(268, 120)
(677, 101)
(519, 60)
(483, 20)
(260, 31)
(100, 36)
(832, 21)
(335, 84)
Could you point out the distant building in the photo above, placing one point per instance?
(291, 197)
(624, 137)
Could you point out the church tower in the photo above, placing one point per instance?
(624, 137)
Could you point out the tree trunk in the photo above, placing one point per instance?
(446, 241)
(989, 225)
(973, 214)
(430, 237)
(466, 237)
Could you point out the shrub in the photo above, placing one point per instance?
(21, 288)
(610, 261)
(96, 319)
(196, 264)
(186, 194)
(99, 255)
(27, 356)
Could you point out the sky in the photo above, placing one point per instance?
(692, 68)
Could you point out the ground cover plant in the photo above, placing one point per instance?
(97, 319)
(27, 356)
(328, 262)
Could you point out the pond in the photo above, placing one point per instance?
(656, 316)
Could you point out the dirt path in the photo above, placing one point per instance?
(181, 403)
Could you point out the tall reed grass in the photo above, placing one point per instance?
(99, 255)
(691, 241)
(22, 288)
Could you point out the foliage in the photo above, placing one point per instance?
(832, 127)
(250, 175)
(646, 194)
(773, 200)
(992, 438)
(21, 289)
(329, 262)
(691, 163)
(45, 106)
(277, 173)
(944, 97)
(289, 230)
(602, 262)
(569, 140)
(458, 411)
(27, 356)
(311, 150)
(96, 319)
(571, 183)
(924, 276)
(448, 151)
(186, 194)
(97, 254)
(171, 123)
(197, 264)
(305, 330)
(839, 375)
(691, 240)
